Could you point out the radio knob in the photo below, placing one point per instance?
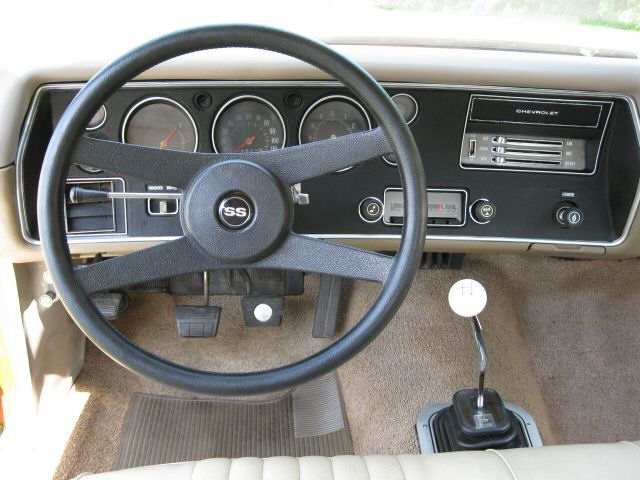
(568, 215)
(370, 209)
(483, 211)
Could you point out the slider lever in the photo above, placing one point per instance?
(79, 194)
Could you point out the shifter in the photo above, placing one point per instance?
(477, 418)
(468, 298)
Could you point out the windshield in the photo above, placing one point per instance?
(584, 27)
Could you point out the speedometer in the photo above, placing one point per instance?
(247, 124)
(331, 117)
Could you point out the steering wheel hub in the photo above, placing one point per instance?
(237, 211)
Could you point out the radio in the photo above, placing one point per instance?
(447, 207)
(535, 135)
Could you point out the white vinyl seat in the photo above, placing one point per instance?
(615, 461)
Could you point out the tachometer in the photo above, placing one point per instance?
(331, 117)
(247, 124)
(161, 123)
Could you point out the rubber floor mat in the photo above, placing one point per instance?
(310, 420)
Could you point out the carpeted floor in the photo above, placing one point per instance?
(563, 339)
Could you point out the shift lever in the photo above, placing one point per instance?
(476, 418)
(467, 298)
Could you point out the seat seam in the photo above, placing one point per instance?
(401, 467)
(364, 460)
(193, 469)
(506, 463)
(637, 447)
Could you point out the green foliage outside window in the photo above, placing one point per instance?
(619, 14)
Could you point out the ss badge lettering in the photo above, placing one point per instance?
(235, 212)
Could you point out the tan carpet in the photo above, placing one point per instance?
(563, 338)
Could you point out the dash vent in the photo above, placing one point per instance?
(90, 218)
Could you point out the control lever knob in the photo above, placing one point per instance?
(467, 298)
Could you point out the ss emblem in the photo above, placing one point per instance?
(234, 211)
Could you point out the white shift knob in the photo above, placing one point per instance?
(467, 298)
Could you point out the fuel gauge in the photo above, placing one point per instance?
(160, 122)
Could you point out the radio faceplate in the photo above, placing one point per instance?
(447, 207)
(533, 135)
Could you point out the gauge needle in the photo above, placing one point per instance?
(247, 141)
(165, 142)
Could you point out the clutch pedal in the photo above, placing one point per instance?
(110, 305)
(198, 320)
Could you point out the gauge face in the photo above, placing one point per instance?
(160, 123)
(333, 117)
(407, 105)
(247, 124)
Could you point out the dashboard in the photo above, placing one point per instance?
(515, 166)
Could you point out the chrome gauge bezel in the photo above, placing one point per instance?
(157, 99)
(415, 102)
(415, 115)
(103, 108)
(240, 98)
(328, 98)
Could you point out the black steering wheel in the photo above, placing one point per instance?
(262, 180)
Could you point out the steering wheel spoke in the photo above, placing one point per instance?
(152, 164)
(307, 254)
(175, 257)
(302, 162)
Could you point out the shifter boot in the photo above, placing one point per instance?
(462, 426)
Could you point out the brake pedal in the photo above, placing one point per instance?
(110, 304)
(198, 321)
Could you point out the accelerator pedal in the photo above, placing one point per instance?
(327, 305)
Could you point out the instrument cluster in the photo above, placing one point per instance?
(244, 123)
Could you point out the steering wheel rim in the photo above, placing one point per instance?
(95, 92)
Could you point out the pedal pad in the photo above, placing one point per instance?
(262, 311)
(327, 305)
(110, 305)
(197, 321)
